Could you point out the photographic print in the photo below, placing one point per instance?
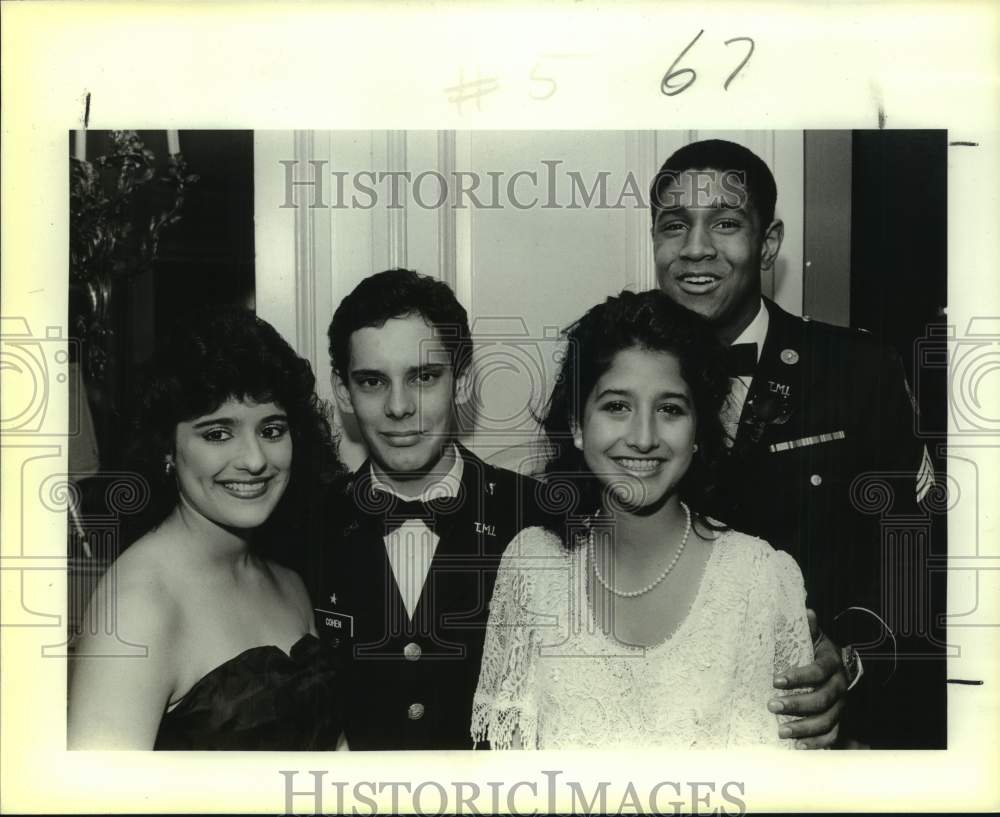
(399, 429)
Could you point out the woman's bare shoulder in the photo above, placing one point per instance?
(292, 587)
(127, 660)
(147, 565)
(138, 591)
(287, 578)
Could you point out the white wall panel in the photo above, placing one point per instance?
(523, 272)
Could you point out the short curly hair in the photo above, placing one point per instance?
(726, 157)
(647, 320)
(399, 293)
(214, 356)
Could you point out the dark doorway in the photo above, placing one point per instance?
(899, 293)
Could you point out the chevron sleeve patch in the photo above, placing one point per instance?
(925, 476)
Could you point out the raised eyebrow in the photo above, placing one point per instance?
(674, 395)
(275, 418)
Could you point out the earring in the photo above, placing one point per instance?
(168, 467)
(694, 448)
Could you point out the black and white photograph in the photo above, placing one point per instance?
(579, 463)
(537, 437)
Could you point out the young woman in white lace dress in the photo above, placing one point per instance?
(644, 623)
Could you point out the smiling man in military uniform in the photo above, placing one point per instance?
(403, 583)
(812, 408)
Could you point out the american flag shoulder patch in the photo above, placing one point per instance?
(802, 442)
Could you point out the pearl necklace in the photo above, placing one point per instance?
(633, 593)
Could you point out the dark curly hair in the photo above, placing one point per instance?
(399, 293)
(212, 357)
(647, 320)
(726, 157)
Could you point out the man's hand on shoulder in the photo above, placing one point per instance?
(818, 710)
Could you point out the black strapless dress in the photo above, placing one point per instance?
(261, 699)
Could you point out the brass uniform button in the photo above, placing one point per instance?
(412, 651)
(816, 480)
(415, 712)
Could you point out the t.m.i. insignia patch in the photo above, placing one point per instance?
(779, 388)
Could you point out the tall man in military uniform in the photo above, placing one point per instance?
(402, 583)
(822, 429)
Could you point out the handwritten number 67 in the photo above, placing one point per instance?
(677, 80)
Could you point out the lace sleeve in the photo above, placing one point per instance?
(776, 637)
(792, 642)
(505, 705)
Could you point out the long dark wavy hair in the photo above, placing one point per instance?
(645, 320)
(212, 357)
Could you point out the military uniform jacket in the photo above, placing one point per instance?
(409, 683)
(826, 466)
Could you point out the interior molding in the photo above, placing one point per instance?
(464, 259)
(447, 247)
(640, 159)
(395, 154)
(323, 270)
(764, 147)
(305, 258)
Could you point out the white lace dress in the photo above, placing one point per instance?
(550, 673)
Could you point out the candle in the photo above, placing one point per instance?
(173, 142)
(80, 145)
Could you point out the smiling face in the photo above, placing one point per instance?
(638, 429)
(709, 248)
(233, 464)
(401, 388)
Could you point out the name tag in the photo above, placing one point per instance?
(339, 624)
(802, 442)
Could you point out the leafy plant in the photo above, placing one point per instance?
(105, 200)
(115, 229)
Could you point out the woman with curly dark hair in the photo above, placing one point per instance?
(645, 623)
(209, 644)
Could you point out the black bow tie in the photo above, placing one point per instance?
(394, 511)
(741, 359)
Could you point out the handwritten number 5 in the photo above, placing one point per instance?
(739, 67)
(535, 77)
(666, 84)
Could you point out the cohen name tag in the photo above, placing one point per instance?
(337, 624)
